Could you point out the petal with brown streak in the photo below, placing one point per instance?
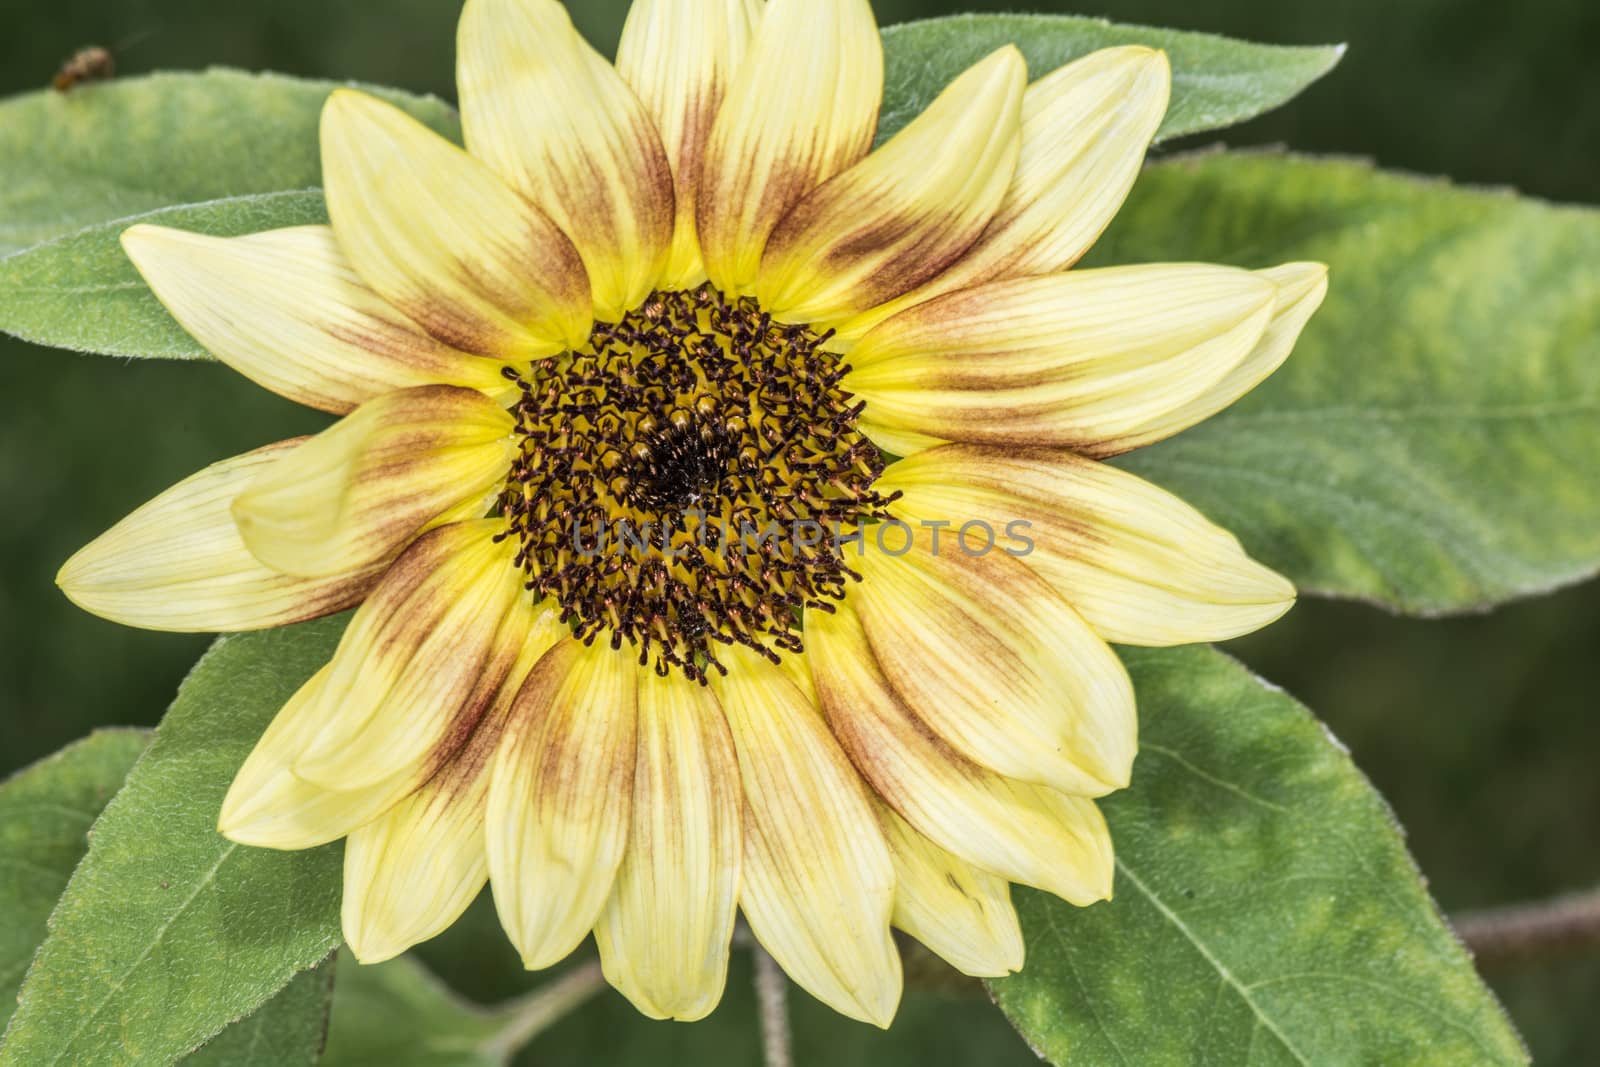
(360, 491)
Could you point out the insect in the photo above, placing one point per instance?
(86, 65)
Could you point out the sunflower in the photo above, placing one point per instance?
(721, 495)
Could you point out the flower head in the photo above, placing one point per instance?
(721, 496)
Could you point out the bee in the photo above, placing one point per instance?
(90, 64)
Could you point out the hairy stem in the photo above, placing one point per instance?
(1525, 933)
(772, 1001)
(527, 1018)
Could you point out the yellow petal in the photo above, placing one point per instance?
(287, 310)
(411, 872)
(422, 659)
(549, 115)
(360, 491)
(997, 663)
(680, 57)
(1022, 832)
(798, 668)
(962, 912)
(802, 108)
(1067, 360)
(560, 798)
(178, 563)
(664, 934)
(268, 807)
(818, 881)
(1140, 565)
(1301, 288)
(906, 212)
(1085, 129)
(436, 234)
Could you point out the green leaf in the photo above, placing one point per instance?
(1216, 81)
(1431, 444)
(81, 292)
(1266, 910)
(70, 160)
(45, 814)
(168, 932)
(221, 152)
(46, 811)
(287, 1031)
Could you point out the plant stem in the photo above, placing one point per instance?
(1523, 933)
(528, 1017)
(772, 1001)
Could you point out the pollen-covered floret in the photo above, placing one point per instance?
(686, 482)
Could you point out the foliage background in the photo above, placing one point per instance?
(1480, 730)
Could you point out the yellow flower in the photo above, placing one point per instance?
(683, 296)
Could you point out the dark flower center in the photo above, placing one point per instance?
(692, 478)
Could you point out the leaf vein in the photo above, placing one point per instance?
(1221, 968)
(93, 1014)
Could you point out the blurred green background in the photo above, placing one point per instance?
(1481, 731)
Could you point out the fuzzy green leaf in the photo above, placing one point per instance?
(168, 932)
(82, 292)
(45, 814)
(222, 152)
(1266, 910)
(1431, 444)
(287, 1031)
(124, 148)
(1216, 81)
